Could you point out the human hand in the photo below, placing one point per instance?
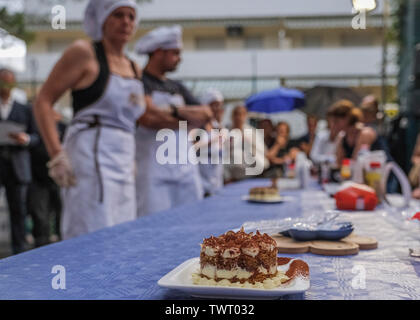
(416, 193)
(60, 170)
(196, 116)
(21, 138)
(293, 153)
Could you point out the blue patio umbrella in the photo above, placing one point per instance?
(276, 100)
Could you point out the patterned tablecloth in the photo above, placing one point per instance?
(126, 261)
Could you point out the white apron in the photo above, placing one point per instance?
(161, 187)
(101, 147)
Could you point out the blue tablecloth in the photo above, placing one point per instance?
(126, 261)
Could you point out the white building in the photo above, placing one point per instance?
(241, 46)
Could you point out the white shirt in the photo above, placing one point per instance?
(323, 149)
(5, 108)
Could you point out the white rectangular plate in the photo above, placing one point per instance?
(277, 200)
(180, 278)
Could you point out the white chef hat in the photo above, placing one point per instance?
(98, 10)
(160, 38)
(211, 95)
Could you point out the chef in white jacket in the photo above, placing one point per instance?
(210, 145)
(164, 186)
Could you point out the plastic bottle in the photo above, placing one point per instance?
(358, 166)
(345, 171)
(373, 177)
(364, 149)
(325, 172)
(291, 171)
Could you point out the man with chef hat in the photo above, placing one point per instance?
(164, 186)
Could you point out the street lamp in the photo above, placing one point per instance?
(363, 5)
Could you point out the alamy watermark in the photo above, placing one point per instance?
(58, 17)
(177, 147)
(359, 20)
(58, 282)
(359, 280)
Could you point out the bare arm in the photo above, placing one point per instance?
(271, 154)
(159, 118)
(415, 159)
(66, 74)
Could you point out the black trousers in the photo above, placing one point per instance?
(16, 196)
(44, 203)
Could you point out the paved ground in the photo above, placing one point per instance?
(5, 246)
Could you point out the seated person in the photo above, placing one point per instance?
(371, 118)
(348, 119)
(269, 132)
(324, 146)
(370, 110)
(250, 147)
(414, 175)
(305, 143)
(284, 150)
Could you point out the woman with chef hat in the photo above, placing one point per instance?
(95, 165)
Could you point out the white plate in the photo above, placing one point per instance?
(180, 278)
(280, 199)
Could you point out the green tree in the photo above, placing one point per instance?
(15, 25)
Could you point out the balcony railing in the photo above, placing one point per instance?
(291, 64)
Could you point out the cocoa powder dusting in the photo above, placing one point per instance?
(281, 261)
(297, 268)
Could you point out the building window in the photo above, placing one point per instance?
(210, 43)
(356, 40)
(58, 45)
(255, 42)
(311, 41)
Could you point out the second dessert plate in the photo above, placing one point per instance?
(280, 199)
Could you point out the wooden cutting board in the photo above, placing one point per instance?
(333, 248)
(347, 246)
(365, 243)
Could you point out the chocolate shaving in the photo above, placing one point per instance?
(283, 261)
(239, 239)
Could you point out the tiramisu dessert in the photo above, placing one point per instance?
(264, 193)
(239, 259)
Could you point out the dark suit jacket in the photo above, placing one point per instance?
(19, 155)
(40, 157)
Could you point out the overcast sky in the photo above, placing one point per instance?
(12, 5)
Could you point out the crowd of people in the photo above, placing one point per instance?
(102, 169)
